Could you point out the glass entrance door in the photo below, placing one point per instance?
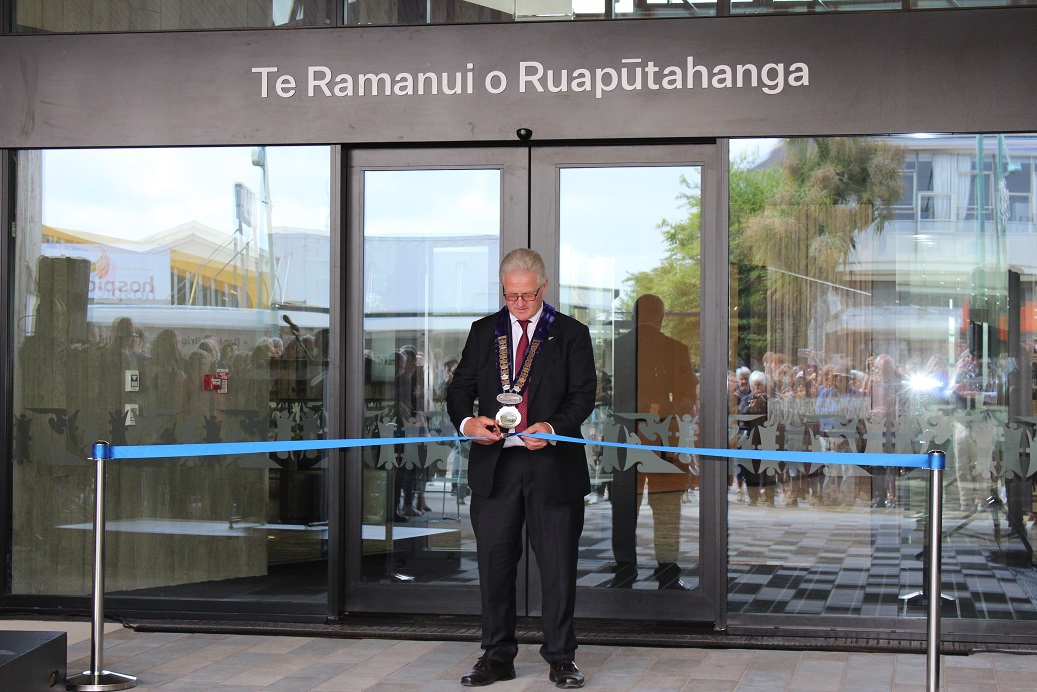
(626, 227)
(620, 230)
(433, 223)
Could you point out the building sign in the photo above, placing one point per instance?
(835, 74)
(118, 275)
(634, 74)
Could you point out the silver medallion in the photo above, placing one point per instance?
(509, 417)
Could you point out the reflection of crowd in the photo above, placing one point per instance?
(910, 407)
(134, 385)
(405, 396)
(410, 411)
(752, 410)
(172, 397)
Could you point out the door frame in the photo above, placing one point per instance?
(413, 598)
(708, 602)
(529, 213)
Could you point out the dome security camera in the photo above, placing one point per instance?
(524, 133)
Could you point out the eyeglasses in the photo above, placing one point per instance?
(527, 297)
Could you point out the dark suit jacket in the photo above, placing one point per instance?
(561, 393)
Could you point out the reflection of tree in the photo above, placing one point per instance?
(677, 278)
(749, 190)
(790, 229)
(830, 190)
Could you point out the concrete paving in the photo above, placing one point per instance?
(171, 661)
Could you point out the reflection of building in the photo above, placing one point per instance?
(203, 267)
(190, 277)
(125, 341)
(454, 272)
(938, 264)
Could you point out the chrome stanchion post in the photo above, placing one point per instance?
(934, 600)
(97, 679)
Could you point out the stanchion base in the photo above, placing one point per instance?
(915, 595)
(100, 682)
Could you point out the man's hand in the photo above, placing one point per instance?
(535, 443)
(483, 429)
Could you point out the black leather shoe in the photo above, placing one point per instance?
(624, 576)
(668, 575)
(486, 672)
(675, 585)
(566, 675)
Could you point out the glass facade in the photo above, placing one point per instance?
(745, 7)
(969, 4)
(883, 301)
(165, 297)
(69, 16)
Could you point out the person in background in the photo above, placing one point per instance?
(655, 381)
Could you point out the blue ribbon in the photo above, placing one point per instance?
(219, 448)
(832, 458)
(103, 450)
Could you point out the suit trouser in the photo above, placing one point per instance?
(554, 534)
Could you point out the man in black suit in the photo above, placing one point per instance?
(518, 480)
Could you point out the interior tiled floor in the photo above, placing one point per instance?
(812, 559)
(800, 558)
(168, 661)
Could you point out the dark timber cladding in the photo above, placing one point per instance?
(738, 77)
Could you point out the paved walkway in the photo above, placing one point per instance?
(170, 662)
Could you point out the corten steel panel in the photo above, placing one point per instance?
(961, 71)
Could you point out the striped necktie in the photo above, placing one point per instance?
(520, 356)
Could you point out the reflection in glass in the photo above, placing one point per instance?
(743, 7)
(431, 249)
(69, 16)
(398, 12)
(882, 293)
(160, 300)
(629, 270)
(653, 9)
(66, 16)
(968, 4)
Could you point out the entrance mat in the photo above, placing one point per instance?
(589, 632)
